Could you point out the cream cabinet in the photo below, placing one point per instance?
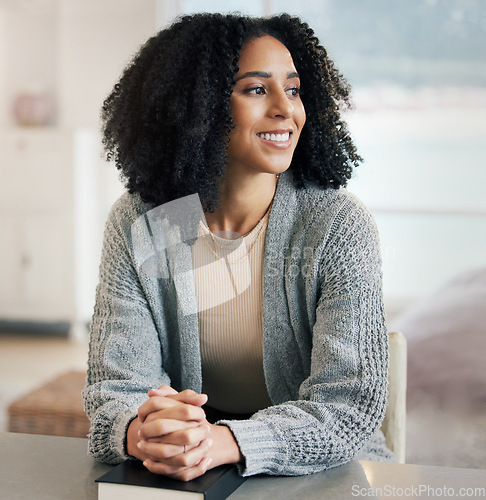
(55, 192)
(37, 225)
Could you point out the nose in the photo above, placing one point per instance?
(281, 107)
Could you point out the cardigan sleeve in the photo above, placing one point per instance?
(341, 402)
(125, 357)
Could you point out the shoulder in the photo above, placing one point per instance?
(315, 207)
(337, 219)
(315, 201)
(343, 234)
(124, 213)
(127, 209)
(332, 224)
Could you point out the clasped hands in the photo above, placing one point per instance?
(172, 436)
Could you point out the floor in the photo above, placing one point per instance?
(26, 361)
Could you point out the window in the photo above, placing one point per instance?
(418, 71)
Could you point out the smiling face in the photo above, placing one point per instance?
(266, 109)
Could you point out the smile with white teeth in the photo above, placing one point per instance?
(275, 137)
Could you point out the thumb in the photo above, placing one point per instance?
(163, 390)
(190, 397)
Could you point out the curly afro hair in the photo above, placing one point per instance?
(166, 123)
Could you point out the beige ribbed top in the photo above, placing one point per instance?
(228, 283)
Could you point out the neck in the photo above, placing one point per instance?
(243, 203)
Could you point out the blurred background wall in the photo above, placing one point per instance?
(418, 72)
(58, 61)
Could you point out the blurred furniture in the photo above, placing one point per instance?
(54, 199)
(54, 408)
(394, 423)
(446, 382)
(446, 334)
(37, 220)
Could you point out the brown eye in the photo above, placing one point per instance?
(256, 91)
(294, 91)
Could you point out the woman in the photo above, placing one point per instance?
(234, 265)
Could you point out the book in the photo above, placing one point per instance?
(130, 480)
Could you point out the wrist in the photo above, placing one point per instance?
(132, 438)
(225, 449)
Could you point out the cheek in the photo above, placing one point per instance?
(301, 115)
(246, 114)
(238, 114)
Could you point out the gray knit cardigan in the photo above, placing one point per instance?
(324, 337)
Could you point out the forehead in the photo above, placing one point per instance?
(263, 54)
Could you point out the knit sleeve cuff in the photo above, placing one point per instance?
(119, 434)
(107, 438)
(263, 450)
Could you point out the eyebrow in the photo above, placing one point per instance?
(263, 74)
